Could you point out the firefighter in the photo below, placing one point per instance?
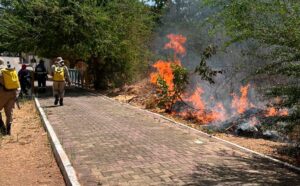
(41, 75)
(9, 85)
(60, 74)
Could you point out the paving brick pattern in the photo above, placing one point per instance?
(110, 143)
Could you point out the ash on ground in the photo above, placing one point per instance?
(252, 123)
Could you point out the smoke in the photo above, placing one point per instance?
(187, 17)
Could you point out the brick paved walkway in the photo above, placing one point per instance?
(113, 144)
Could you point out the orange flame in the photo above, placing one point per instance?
(164, 68)
(196, 99)
(272, 111)
(200, 112)
(164, 71)
(176, 43)
(240, 104)
(220, 112)
(284, 112)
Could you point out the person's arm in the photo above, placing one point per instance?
(28, 73)
(67, 75)
(44, 69)
(45, 72)
(20, 74)
(52, 70)
(1, 79)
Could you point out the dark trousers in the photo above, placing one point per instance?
(24, 86)
(41, 82)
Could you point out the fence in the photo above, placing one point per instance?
(79, 79)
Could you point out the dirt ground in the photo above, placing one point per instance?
(25, 156)
(263, 146)
(140, 93)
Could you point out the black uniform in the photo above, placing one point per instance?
(41, 76)
(24, 78)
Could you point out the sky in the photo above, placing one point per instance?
(149, 2)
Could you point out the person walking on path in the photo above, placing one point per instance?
(25, 81)
(60, 74)
(9, 85)
(41, 76)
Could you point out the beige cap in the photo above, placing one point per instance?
(59, 59)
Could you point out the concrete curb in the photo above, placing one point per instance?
(61, 157)
(219, 139)
(228, 142)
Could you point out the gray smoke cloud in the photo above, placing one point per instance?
(186, 18)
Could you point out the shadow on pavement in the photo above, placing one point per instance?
(51, 106)
(254, 171)
(69, 92)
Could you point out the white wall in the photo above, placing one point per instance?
(14, 61)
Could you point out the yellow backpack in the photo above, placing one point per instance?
(10, 79)
(59, 74)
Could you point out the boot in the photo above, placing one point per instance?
(56, 100)
(61, 102)
(2, 128)
(8, 129)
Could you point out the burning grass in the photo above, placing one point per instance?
(172, 92)
(142, 94)
(241, 117)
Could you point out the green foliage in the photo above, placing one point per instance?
(168, 97)
(205, 71)
(164, 97)
(180, 79)
(112, 35)
(124, 52)
(274, 25)
(159, 7)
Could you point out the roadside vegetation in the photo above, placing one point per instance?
(112, 36)
(26, 157)
(267, 33)
(227, 62)
(272, 25)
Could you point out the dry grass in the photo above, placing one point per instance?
(140, 98)
(25, 156)
(263, 146)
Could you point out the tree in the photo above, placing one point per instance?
(159, 7)
(274, 25)
(123, 52)
(111, 35)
